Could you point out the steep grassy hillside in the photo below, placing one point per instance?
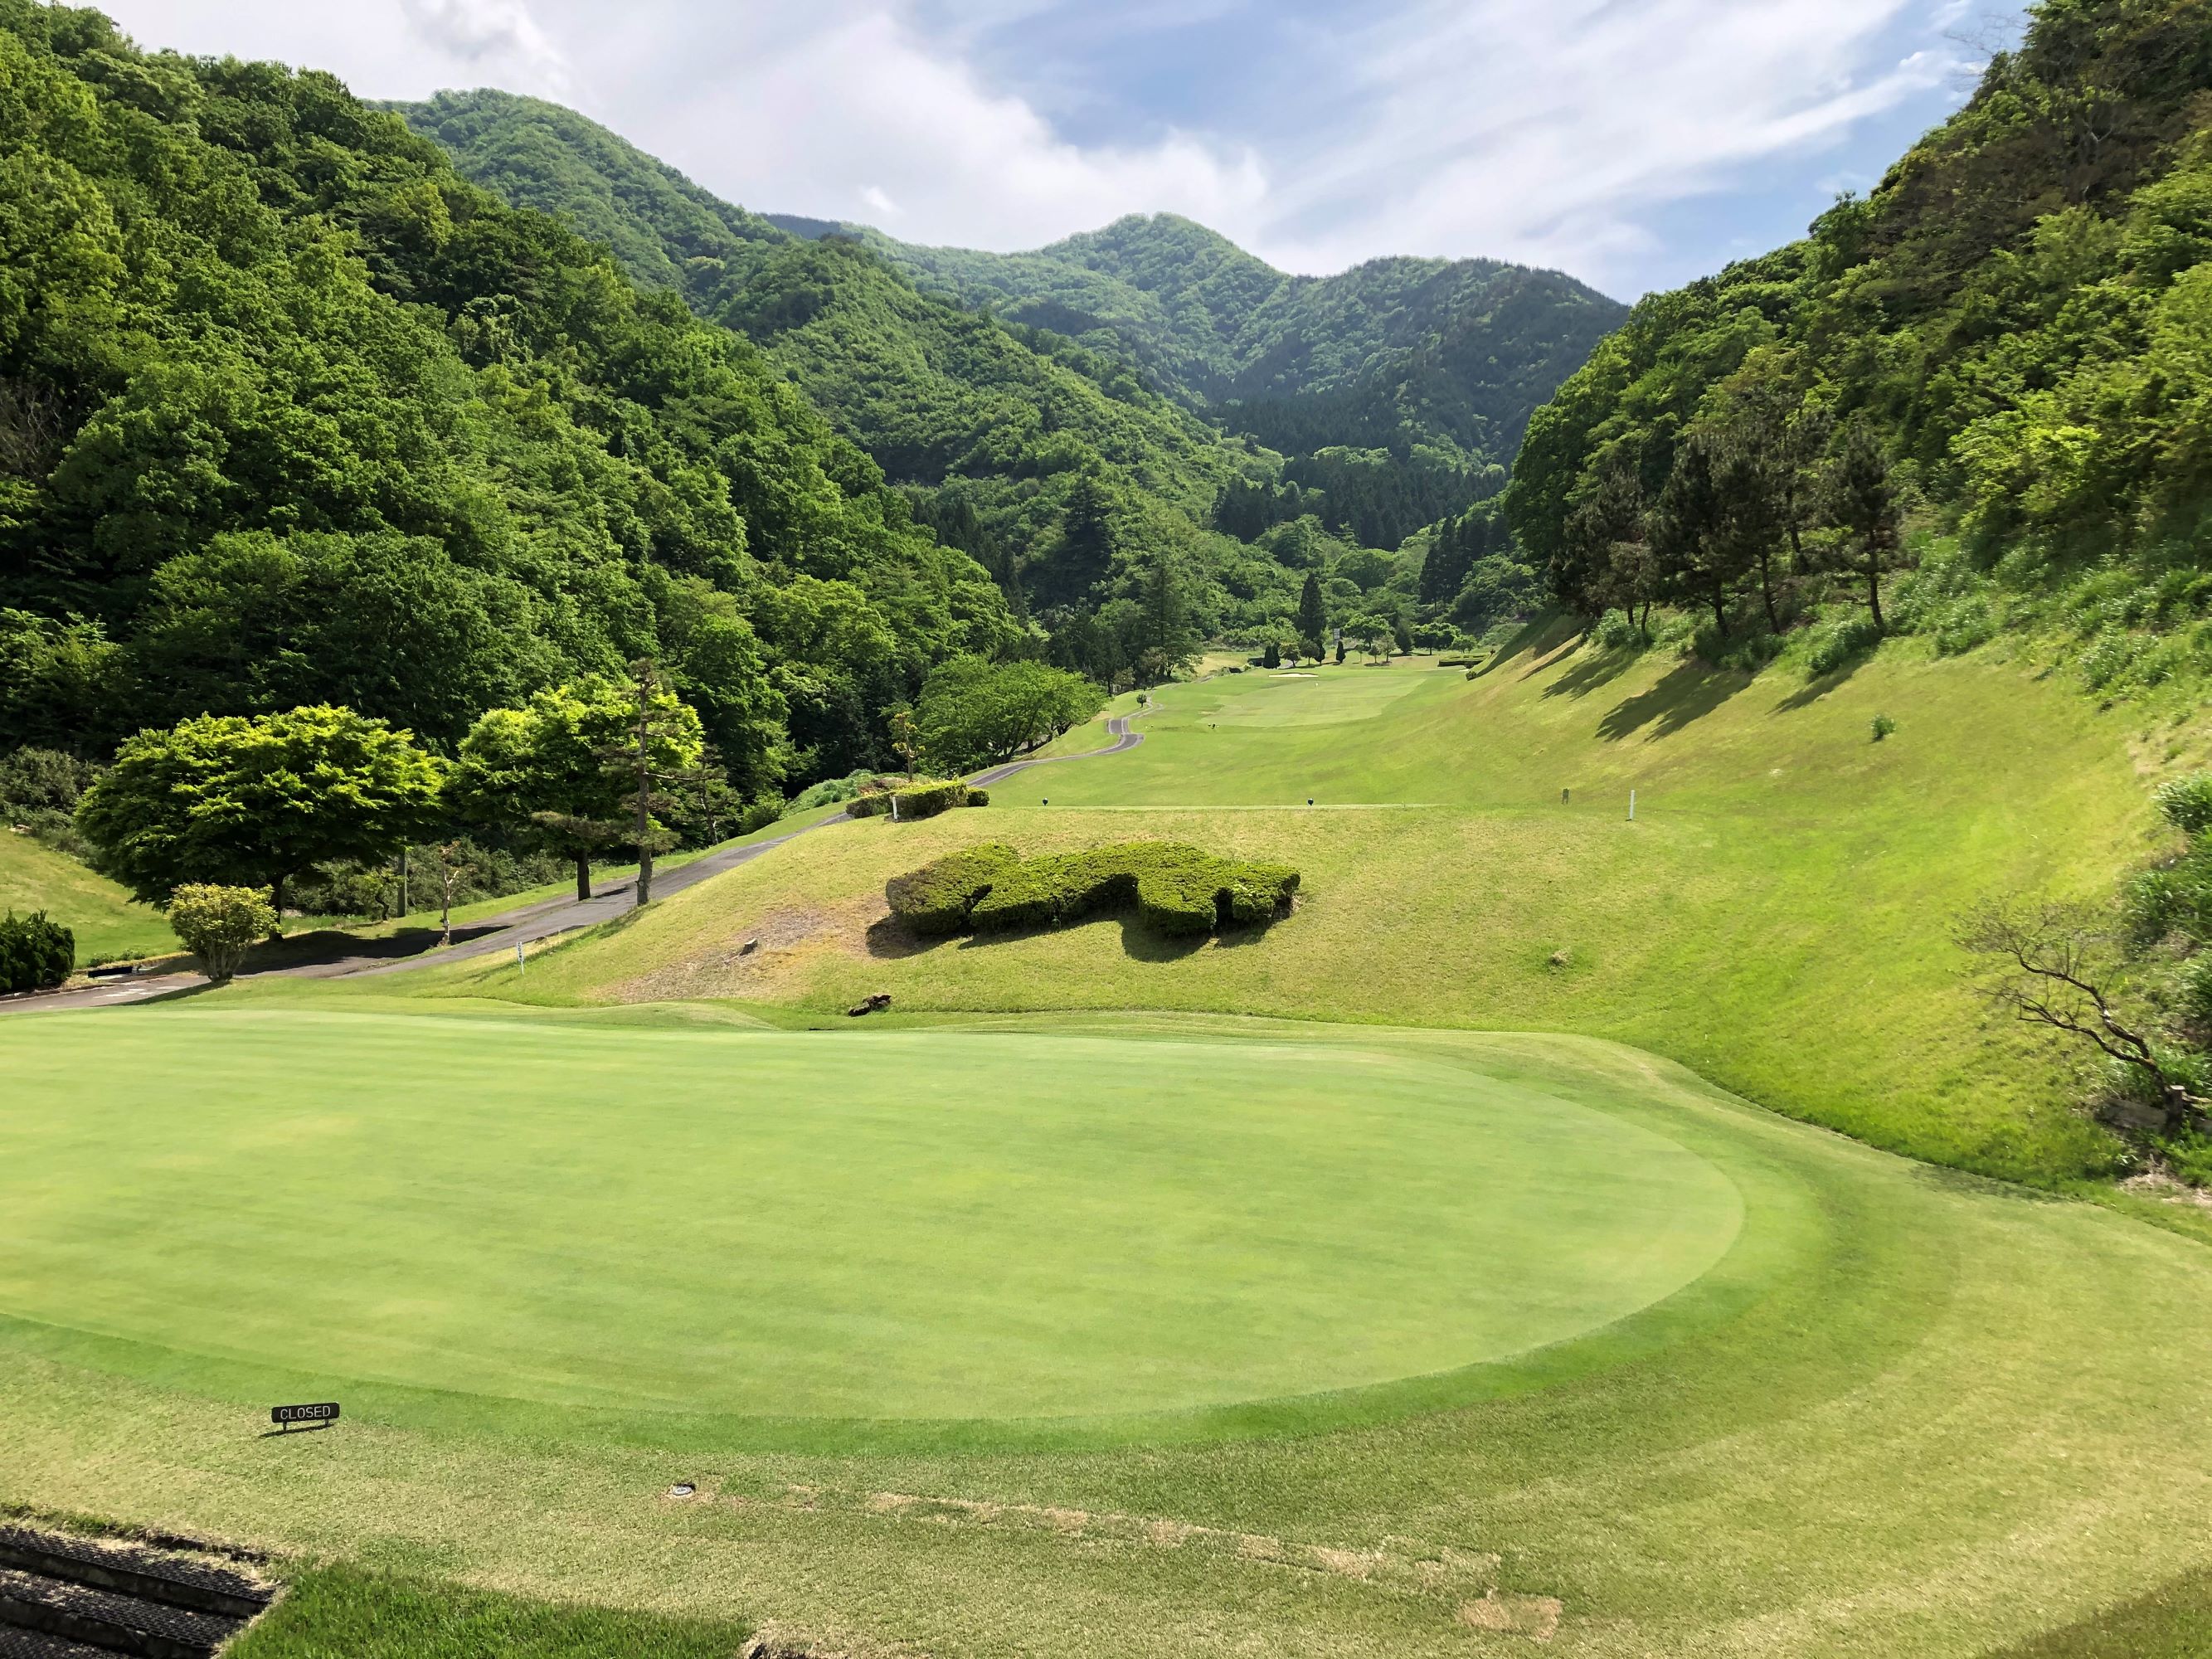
(1779, 915)
(107, 922)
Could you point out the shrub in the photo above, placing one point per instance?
(830, 790)
(218, 923)
(936, 898)
(1176, 889)
(1744, 653)
(1617, 630)
(1843, 644)
(2186, 803)
(2195, 993)
(41, 781)
(1959, 628)
(925, 798)
(1883, 726)
(35, 954)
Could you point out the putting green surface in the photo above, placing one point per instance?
(794, 1226)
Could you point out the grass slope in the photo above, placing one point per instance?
(107, 922)
(1905, 1411)
(344, 1612)
(1779, 916)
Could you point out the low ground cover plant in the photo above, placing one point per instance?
(35, 954)
(1175, 888)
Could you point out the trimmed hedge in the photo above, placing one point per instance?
(925, 798)
(1175, 888)
(35, 954)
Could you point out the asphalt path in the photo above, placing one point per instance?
(501, 933)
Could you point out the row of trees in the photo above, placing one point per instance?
(260, 800)
(1762, 493)
(579, 770)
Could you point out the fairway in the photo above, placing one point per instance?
(793, 1226)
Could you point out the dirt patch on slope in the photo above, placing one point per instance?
(760, 956)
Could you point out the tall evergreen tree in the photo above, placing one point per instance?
(1312, 618)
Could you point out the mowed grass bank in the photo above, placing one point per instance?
(1903, 1410)
(107, 922)
(1780, 916)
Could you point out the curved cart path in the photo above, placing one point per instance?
(503, 933)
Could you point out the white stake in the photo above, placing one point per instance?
(518, 958)
(1631, 806)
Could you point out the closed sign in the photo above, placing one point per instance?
(315, 1415)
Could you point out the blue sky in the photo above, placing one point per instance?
(1636, 143)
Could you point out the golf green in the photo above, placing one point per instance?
(866, 1225)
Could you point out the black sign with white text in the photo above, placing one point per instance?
(312, 1416)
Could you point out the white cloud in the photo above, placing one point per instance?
(1557, 133)
(496, 34)
(1551, 133)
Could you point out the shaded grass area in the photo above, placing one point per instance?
(345, 1613)
(1780, 914)
(2174, 1621)
(1834, 1443)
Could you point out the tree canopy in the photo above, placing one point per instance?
(292, 413)
(253, 801)
(2014, 329)
(974, 713)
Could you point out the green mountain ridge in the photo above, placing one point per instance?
(1438, 363)
(1424, 368)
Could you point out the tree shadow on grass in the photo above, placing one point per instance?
(1599, 668)
(328, 946)
(1688, 692)
(890, 939)
(1821, 685)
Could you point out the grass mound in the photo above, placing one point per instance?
(1177, 889)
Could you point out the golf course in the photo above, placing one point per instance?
(1418, 1274)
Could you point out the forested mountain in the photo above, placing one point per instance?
(1397, 390)
(290, 412)
(1427, 368)
(2013, 331)
(995, 430)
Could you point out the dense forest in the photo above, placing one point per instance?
(1996, 365)
(1436, 364)
(289, 412)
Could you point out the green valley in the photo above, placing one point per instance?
(860, 949)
